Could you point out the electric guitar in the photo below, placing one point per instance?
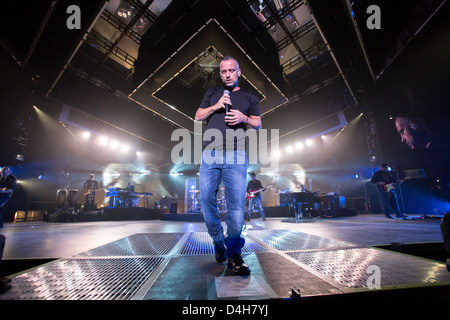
(87, 191)
(391, 186)
(253, 193)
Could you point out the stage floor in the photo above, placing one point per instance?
(174, 260)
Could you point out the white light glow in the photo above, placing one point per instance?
(86, 135)
(103, 141)
(114, 144)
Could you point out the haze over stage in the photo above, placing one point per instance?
(105, 99)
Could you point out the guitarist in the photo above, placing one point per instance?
(255, 185)
(89, 186)
(381, 178)
(8, 183)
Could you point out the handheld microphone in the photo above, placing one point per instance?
(227, 106)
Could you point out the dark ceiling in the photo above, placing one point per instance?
(140, 68)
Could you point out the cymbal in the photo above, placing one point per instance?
(194, 190)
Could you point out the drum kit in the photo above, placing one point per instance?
(66, 199)
(221, 201)
(195, 201)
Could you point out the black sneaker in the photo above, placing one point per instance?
(219, 250)
(5, 284)
(237, 265)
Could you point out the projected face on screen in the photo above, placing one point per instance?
(414, 133)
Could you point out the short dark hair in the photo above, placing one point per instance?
(384, 165)
(226, 58)
(252, 174)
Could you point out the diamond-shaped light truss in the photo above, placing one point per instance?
(216, 43)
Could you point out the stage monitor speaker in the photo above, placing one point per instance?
(173, 208)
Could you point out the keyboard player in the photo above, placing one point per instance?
(132, 200)
(130, 187)
(301, 200)
(134, 196)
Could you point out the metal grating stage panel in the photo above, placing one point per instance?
(84, 279)
(128, 268)
(350, 267)
(139, 244)
(202, 243)
(286, 240)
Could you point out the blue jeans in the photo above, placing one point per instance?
(232, 169)
(258, 202)
(389, 203)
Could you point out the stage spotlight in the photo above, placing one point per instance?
(103, 141)
(323, 137)
(114, 144)
(86, 135)
(277, 154)
(299, 145)
(309, 142)
(289, 149)
(124, 148)
(115, 174)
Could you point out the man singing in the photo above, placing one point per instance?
(227, 109)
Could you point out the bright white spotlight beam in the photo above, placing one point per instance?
(103, 141)
(114, 144)
(86, 135)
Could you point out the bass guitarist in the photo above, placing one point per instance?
(254, 188)
(89, 192)
(388, 199)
